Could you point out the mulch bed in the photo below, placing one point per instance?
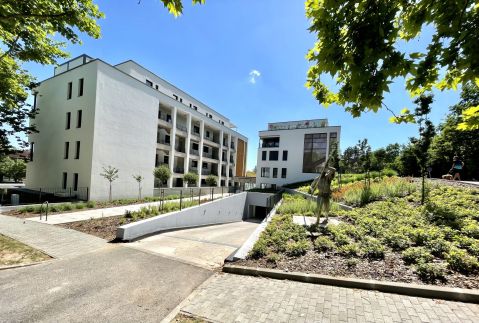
(391, 268)
(104, 228)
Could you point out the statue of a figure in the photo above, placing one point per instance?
(323, 184)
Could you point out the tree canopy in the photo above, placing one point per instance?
(35, 31)
(358, 44)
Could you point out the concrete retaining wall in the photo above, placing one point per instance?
(258, 199)
(225, 210)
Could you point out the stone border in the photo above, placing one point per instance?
(446, 293)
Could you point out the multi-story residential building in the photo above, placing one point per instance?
(289, 152)
(92, 115)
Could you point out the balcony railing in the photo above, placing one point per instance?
(165, 118)
(211, 139)
(180, 149)
(179, 170)
(163, 142)
(205, 172)
(270, 145)
(194, 152)
(181, 127)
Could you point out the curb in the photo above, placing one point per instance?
(446, 293)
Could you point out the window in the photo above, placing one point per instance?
(66, 151)
(270, 142)
(314, 151)
(32, 148)
(206, 149)
(191, 105)
(211, 116)
(157, 158)
(156, 86)
(194, 164)
(195, 107)
(263, 155)
(285, 155)
(195, 146)
(69, 90)
(196, 129)
(205, 165)
(283, 172)
(75, 182)
(77, 150)
(273, 155)
(181, 100)
(79, 117)
(175, 97)
(64, 181)
(166, 159)
(149, 83)
(69, 115)
(207, 134)
(275, 172)
(264, 171)
(167, 139)
(80, 87)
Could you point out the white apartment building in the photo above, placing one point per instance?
(92, 115)
(290, 151)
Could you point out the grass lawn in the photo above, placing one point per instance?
(391, 237)
(13, 252)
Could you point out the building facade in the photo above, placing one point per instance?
(92, 115)
(289, 152)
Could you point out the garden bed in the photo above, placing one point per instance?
(394, 239)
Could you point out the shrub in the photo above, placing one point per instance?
(352, 262)
(431, 272)
(397, 241)
(471, 228)
(273, 258)
(460, 260)
(80, 206)
(349, 250)
(438, 247)
(65, 207)
(324, 244)
(297, 248)
(372, 248)
(259, 249)
(91, 204)
(53, 208)
(416, 255)
(211, 180)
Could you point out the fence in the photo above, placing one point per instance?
(192, 192)
(42, 194)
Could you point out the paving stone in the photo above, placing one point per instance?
(288, 301)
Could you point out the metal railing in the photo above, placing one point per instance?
(163, 142)
(165, 118)
(46, 211)
(194, 152)
(190, 194)
(179, 170)
(181, 127)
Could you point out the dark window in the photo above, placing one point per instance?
(175, 97)
(166, 159)
(77, 150)
(195, 146)
(285, 155)
(196, 129)
(211, 116)
(32, 148)
(275, 172)
(207, 134)
(206, 149)
(64, 181)
(156, 86)
(69, 116)
(314, 151)
(67, 150)
(194, 163)
(195, 107)
(69, 90)
(273, 155)
(264, 171)
(205, 165)
(79, 118)
(157, 158)
(80, 87)
(263, 155)
(181, 100)
(270, 142)
(167, 139)
(75, 182)
(283, 172)
(149, 83)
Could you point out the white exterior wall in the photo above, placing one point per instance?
(125, 134)
(46, 169)
(293, 142)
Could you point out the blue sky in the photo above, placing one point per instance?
(211, 50)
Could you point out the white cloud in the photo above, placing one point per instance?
(253, 75)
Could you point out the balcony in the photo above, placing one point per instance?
(180, 148)
(163, 142)
(194, 152)
(179, 170)
(165, 119)
(181, 127)
(205, 172)
(232, 145)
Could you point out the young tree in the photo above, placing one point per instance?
(139, 179)
(162, 173)
(190, 178)
(34, 31)
(211, 180)
(110, 174)
(358, 45)
(426, 133)
(13, 168)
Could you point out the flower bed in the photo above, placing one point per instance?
(396, 239)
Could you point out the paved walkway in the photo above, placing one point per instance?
(108, 212)
(206, 247)
(55, 241)
(234, 298)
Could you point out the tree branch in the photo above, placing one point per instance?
(11, 47)
(33, 15)
(389, 109)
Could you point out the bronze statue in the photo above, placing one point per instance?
(323, 184)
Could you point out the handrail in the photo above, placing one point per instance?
(46, 211)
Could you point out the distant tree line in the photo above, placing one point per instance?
(447, 142)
